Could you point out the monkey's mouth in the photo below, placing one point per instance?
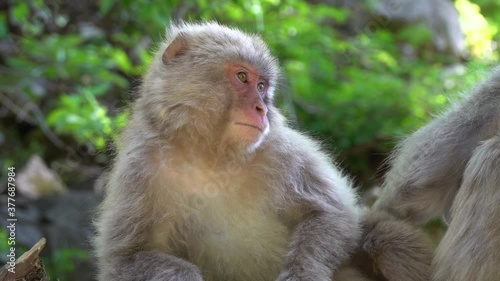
(249, 125)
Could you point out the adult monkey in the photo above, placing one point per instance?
(211, 184)
(451, 167)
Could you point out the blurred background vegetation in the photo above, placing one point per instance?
(357, 77)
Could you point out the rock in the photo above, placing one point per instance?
(440, 16)
(68, 218)
(36, 179)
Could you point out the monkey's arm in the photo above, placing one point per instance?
(124, 255)
(469, 249)
(320, 243)
(329, 228)
(426, 173)
(427, 168)
(150, 266)
(126, 223)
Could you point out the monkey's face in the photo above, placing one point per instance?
(214, 85)
(248, 121)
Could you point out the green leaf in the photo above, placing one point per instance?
(121, 59)
(3, 25)
(20, 12)
(105, 6)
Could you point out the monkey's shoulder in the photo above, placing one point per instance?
(300, 165)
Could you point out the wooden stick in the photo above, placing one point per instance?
(29, 267)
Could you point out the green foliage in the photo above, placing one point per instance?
(69, 73)
(82, 116)
(357, 92)
(476, 27)
(4, 247)
(489, 9)
(62, 262)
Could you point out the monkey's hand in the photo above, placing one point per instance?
(398, 249)
(150, 266)
(175, 269)
(320, 244)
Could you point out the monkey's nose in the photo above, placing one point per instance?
(261, 109)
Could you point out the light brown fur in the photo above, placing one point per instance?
(186, 198)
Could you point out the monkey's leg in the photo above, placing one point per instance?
(150, 266)
(470, 249)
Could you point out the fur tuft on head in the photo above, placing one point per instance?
(210, 42)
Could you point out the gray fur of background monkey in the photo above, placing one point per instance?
(450, 167)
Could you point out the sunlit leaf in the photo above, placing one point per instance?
(121, 59)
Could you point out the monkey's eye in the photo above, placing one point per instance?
(261, 87)
(242, 76)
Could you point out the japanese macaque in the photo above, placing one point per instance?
(211, 184)
(451, 167)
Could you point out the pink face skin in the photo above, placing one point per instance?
(249, 122)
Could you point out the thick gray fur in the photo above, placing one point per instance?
(450, 168)
(183, 204)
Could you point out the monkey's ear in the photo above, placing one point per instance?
(175, 49)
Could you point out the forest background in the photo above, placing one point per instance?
(358, 75)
